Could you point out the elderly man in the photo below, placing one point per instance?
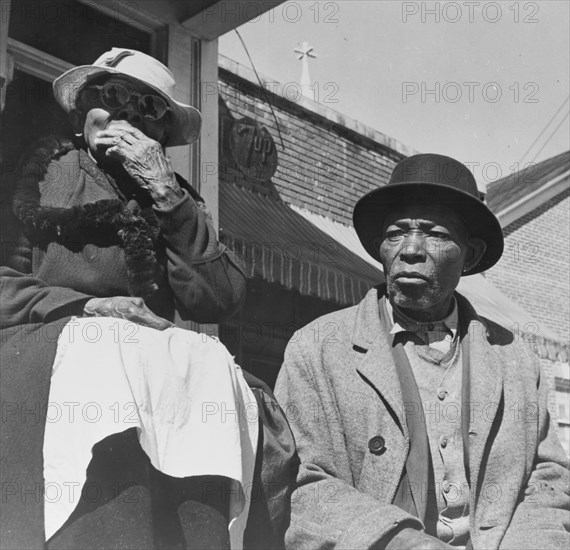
(422, 425)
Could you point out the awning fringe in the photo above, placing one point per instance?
(310, 279)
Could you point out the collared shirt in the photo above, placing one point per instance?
(439, 335)
(435, 358)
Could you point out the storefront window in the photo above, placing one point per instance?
(74, 31)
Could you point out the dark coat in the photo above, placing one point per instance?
(195, 274)
(340, 389)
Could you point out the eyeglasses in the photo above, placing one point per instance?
(114, 95)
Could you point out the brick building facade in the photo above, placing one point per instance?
(537, 252)
(534, 208)
(325, 159)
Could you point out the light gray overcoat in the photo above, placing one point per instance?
(339, 389)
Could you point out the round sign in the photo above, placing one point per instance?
(253, 150)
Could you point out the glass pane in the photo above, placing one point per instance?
(30, 113)
(73, 31)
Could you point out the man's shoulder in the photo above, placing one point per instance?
(514, 347)
(326, 339)
(335, 332)
(481, 326)
(336, 323)
(322, 347)
(496, 334)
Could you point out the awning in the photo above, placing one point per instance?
(317, 256)
(278, 244)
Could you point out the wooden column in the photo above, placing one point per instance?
(194, 63)
(5, 65)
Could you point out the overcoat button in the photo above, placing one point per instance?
(441, 393)
(377, 444)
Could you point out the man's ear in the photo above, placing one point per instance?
(77, 119)
(475, 250)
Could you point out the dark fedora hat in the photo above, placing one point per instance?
(430, 179)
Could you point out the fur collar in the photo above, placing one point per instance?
(103, 223)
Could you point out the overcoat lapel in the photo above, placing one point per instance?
(377, 365)
(485, 388)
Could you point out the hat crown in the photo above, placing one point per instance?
(434, 169)
(140, 66)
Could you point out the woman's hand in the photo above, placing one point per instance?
(143, 159)
(126, 307)
(411, 539)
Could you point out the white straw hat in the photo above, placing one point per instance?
(147, 70)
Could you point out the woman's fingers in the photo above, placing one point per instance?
(117, 141)
(143, 159)
(124, 307)
(119, 127)
(128, 308)
(121, 147)
(143, 316)
(107, 141)
(146, 318)
(152, 321)
(127, 134)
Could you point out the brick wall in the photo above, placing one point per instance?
(534, 273)
(323, 166)
(534, 268)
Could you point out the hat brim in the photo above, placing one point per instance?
(186, 120)
(371, 210)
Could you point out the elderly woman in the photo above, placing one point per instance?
(110, 230)
(108, 221)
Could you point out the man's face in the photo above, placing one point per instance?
(423, 250)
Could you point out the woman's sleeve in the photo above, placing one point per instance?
(207, 283)
(27, 299)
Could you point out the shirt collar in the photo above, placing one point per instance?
(402, 323)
